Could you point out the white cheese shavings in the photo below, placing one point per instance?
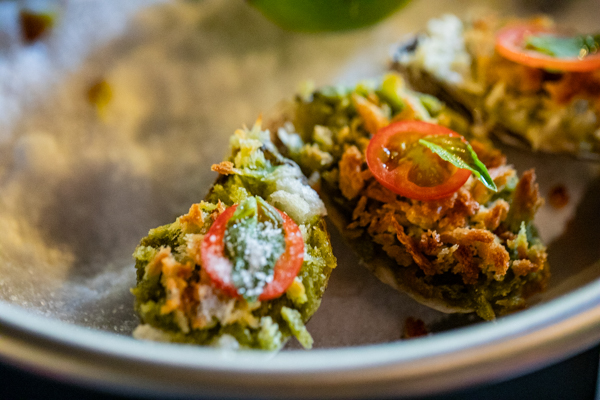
(441, 50)
(291, 195)
(257, 253)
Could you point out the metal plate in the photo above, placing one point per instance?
(80, 186)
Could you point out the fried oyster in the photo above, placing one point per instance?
(177, 297)
(543, 109)
(473, 251)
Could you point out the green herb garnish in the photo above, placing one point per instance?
(254, 241)
(460, 154)
(564, 46)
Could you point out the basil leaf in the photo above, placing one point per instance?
(563, 46)
(460, 154)
(254, 241)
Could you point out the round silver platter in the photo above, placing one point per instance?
(80, 184)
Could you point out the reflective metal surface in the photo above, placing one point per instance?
(80, 185)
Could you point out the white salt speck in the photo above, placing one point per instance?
(257, 253)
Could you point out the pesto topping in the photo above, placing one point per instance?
(254, 241)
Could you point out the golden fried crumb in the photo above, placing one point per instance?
(467, 267)
(372, 116)
(377, 192)
(491, 218)
(154, 267)
(527, 199)
(430, 243)
(419, 258)
(175, 276)
(224, 168)
(351, 179)
(493, 255)
(195, 216)
(523, 267)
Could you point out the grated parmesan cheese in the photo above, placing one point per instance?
(442, 50)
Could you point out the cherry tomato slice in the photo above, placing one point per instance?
(510, 44)
(410, 170)
(218, 266)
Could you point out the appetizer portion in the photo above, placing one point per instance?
(528, 82)
(245, 268)
(445, 220)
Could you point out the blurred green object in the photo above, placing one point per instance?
(326, 15)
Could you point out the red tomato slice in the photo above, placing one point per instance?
(413, 171)
(218, 266)
(510, 44)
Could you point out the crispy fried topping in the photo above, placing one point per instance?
(467, 267)
(372, 116)
(583, 85)
(360, 208)
(175, 276)
(466, 236)
(488, 155)
(495, 258)
(224, 168)
(430, 243)
(460, 211)
(458, 234)
(154, 267)
(377, 192)
(194, 217)
(490, 218)
(493, 255)
(526, 199)
(351, 178)
(218, 211)
(412, 248)
(523, 267)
